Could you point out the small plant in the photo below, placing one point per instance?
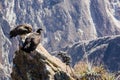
(92, 76)
(89, 72)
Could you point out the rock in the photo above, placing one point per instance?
(3, 74)
(64, 22)
(39, 65)
(61, 76)
(101, 51)
(117, 76)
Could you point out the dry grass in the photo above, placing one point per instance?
(83, 69)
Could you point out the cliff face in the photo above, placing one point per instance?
(103, 51)
(4, 50)
(64, 22)
(39, 65)
(3, 74)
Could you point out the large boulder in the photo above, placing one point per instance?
(39, 65)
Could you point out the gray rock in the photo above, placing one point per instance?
(102, 51)
(39, 65)
(64, 22)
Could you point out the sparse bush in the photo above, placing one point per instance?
(88, 72)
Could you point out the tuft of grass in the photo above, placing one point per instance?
(89, 72)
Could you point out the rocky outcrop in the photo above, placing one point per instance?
(5, 65)
(117, 76)
(39, 65)
(101, 51)
(64, 22)
(3, 74)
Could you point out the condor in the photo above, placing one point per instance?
(32, 41)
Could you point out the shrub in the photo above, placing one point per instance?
(88, 72)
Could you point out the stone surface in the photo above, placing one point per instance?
(101, 51)
(3, 74)
(64, 22)
(39, 65)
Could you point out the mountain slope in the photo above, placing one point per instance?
(103, 51)
(64, 22)
(39, 65)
